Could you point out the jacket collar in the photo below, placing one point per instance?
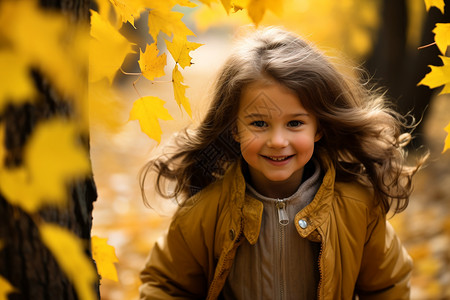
(316, 213)
(249, 210)
(244, 208)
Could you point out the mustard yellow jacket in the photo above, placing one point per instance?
(360, 253)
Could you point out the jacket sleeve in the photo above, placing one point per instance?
(173, 270)
(386, 266)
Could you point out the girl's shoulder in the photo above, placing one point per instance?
(354, 191)
(344, 187)
(204, 218)
(355, 194)
(356, 204)
(214, 197)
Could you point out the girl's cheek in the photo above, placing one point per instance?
(248, 137)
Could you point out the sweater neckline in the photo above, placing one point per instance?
(307, 184)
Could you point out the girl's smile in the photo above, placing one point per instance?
(278, 158)
(277, 137)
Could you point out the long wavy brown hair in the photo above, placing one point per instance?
(363, 137)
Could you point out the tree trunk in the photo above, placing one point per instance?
(399, 68)
(25, 261)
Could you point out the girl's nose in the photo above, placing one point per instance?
(277, 139)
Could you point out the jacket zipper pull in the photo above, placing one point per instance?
(282, 214)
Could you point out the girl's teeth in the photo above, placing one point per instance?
(278, 158)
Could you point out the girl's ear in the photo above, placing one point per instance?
(318, 135)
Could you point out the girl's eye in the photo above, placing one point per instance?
(259, 124)
(295, 123)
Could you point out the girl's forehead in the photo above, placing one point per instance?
(268, 98)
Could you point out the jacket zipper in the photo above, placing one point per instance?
(283, 220)
(320, 271)
(282, 214)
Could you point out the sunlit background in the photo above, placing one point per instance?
(349, 30)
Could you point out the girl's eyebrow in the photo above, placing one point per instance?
(260, 115)
(299, 115)
(256, 115)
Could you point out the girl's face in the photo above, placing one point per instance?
(276, 136)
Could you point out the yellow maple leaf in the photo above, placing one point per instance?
(439, 75)
(147, 110)
(107, 50)
(225, 3)
(126, 12)
(179, 48)
(442, 36)
(130, 10)
(150, 63)
(168, 22)
(180, 90)
(69, 252)
(257, 8)
(6, 288)
(437, 3)
(206, 17)
(447, 139)
(105, 257)
(17, 85)
(52, 157)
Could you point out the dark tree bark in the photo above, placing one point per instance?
(399, 68)
(24, 261)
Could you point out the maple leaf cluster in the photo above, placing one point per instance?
(109, 48)
(148, 109)
(162, 19)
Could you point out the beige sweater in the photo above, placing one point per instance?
(282, 264)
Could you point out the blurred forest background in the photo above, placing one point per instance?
(381, 36)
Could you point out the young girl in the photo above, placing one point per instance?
(285, 185)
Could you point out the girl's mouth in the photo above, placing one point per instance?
(278, 158)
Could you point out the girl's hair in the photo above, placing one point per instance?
(361, 136)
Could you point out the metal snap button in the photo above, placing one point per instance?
(302, 223)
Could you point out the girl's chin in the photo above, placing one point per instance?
(272, 178)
